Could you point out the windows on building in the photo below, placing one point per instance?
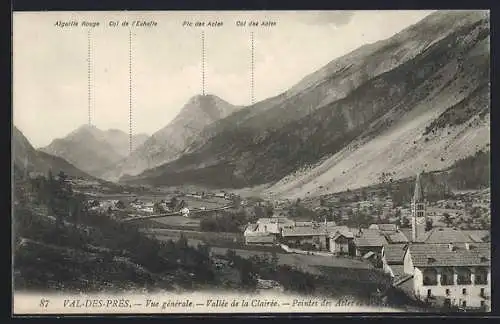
(430, 277)
(429, 293)
(464, 276)
(447, 277)
(482, 293)
(464, 291)
(447, 292)
(464, 304)
(481, 276)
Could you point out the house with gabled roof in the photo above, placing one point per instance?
(369, 240)
(450, 274)
(342, 241)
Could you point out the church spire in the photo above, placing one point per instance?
(418, 195)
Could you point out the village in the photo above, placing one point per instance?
(440, 265)
(435, 252)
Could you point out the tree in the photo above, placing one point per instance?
(428, 224)
(173, 203)
(269, 210)
(259, 212)
(235, 201)
(337, 217)
(405, 223)
(182, 242)
(120, 204)
(158, 208)
(447, 219)
(275, 260)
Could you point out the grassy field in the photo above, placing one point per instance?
(177, 221)
(309, 263)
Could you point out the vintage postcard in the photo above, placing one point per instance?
(183, 162)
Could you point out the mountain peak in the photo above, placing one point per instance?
(200, 98)
(85, 128)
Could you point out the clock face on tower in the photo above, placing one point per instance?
(420, 220)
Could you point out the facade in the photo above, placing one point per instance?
(445, 267)
(451, 275)
(265, 230)
(316, 234)
(342, 243)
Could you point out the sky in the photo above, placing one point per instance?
(50, 68)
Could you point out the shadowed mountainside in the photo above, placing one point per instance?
(362, 114)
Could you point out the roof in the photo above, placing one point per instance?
(370, 237)
(396, 237)
(478, 235)
(319, 229)
(406, 232)
(395, 253)
(398, 270)
(384, 227)
(304, 231)
(445, 235)
(251, 227)
(339, 233)
(425, 255)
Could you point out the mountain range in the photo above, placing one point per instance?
(26, 159)
(170, 142)
(93, 150)
(417, 101)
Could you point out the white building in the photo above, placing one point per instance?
(450, 274)
(265, 230)
(445, 267)
(185, 212)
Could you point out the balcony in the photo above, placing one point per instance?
(446, 281)
(464, 280)
(429, 281)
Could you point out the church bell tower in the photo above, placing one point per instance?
(418, 214)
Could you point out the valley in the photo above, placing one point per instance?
(370, 178)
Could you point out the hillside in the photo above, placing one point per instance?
(363, 114)
(91, 149)
(169, 142)
(329, 84)
(27, 159)
(470, 175)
